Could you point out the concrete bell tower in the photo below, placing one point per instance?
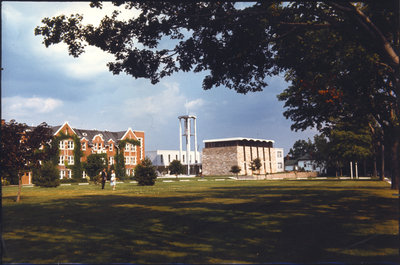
(187, 124)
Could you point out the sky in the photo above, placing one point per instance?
(42, 84)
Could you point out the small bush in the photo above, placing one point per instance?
(235, 169)
(5, 182)
(48, 176)
(145, 173)
(176, 168)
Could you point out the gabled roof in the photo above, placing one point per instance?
(90, 134)
(126, 133)
(107, 135)
(305, 157)
(62, 126)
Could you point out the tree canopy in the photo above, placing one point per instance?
(301, 148)
(21, 149)
(341, 58)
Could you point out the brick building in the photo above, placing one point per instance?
(95, 142)
(219, 155)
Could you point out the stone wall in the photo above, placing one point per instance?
(293, 175)
(287, 175)
(219, 160)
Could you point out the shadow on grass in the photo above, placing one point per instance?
(251, 224)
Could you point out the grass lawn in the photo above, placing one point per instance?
(203, 222)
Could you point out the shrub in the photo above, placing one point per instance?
(73, 180)
(176, 168)
(235, 170)
(48, 176)
(145, 173)
(4, 182)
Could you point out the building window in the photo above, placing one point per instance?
(130, 147)
(69, 174)
(84, 146)
(141, 148)
(279, 154)
(133, 160)
(111, 160)
(70, 160)
(126, 160)
(111, 147)
(70, 145)
(279, 165)
(169, 158)
(61, 160)
(61, 145)
(62, 174)
(162, 159)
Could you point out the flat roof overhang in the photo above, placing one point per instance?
(237, 139)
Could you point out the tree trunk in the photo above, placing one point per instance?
(19, 187)
(375, 173)
(382, 161)
(365, 168)
(395, 158)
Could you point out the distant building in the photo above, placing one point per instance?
(162, 158)
(165, 157)
(99, 142)
(95, 142)
(219, 155)
(304, 163)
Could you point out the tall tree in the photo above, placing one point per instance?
(349, 141)
(341, 51)
(94, 164)
(301, 148)
(20, 149)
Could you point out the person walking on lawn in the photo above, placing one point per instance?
(113, 180)
(103, 178)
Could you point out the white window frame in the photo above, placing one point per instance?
(111, 147)
(61, 145)
(141, 147)
(84, 146)
(62, 174)
(70, 145)
(71, 160)
(61, 160)
(111, 160)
